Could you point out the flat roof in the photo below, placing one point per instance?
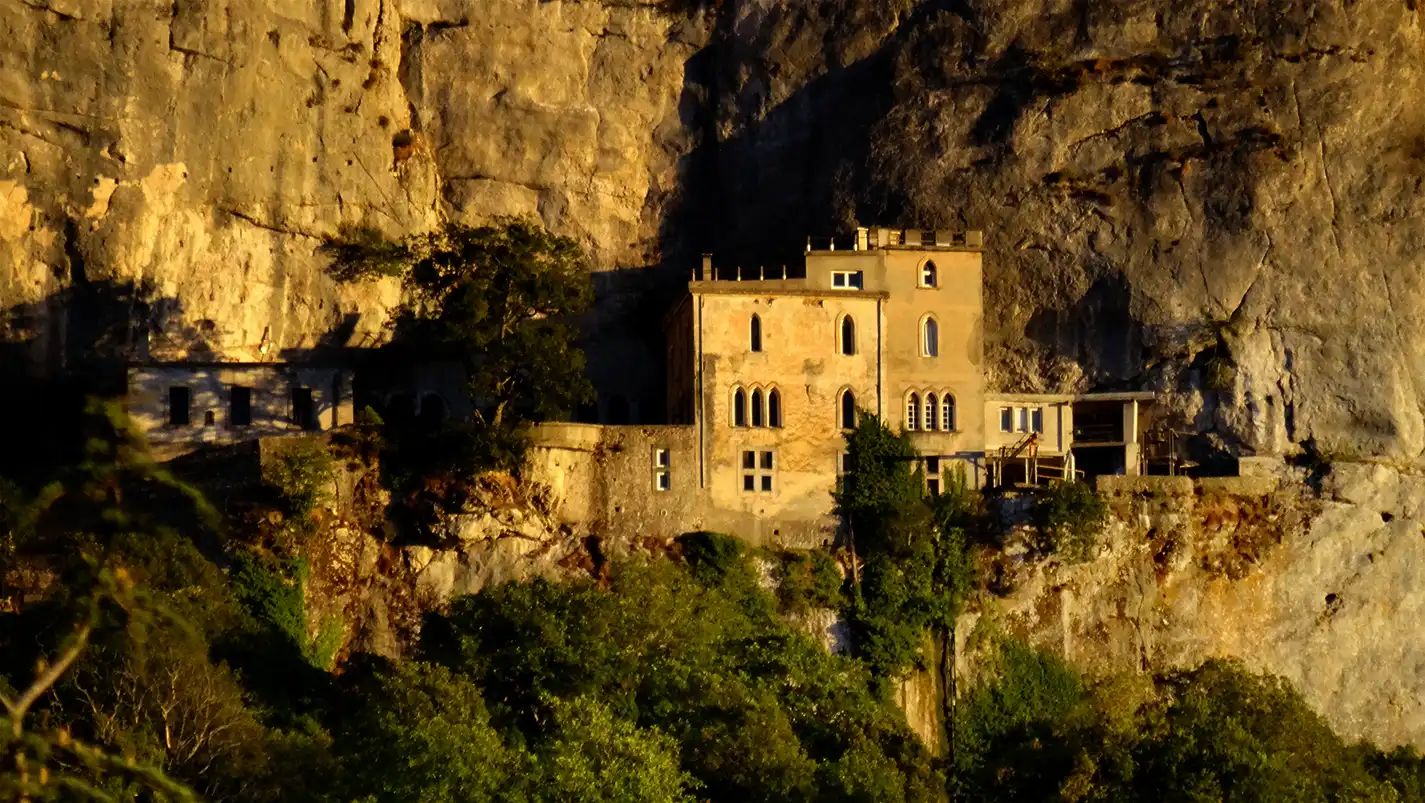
(1129, 395)
(778, 287)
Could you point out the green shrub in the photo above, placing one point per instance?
(300, 471)
(809, 580)
(1070, 517)
(712, 556)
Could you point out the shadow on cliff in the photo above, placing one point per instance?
(57, 352)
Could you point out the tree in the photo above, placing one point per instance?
(496, 298)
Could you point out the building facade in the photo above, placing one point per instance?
(180, 406)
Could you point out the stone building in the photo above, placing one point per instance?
(181, 405)
(767, 371)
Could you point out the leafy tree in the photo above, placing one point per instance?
(424, 736)
(758, 711)
(1070, 516)
(496, 298)
(918, 568)
(592, 756)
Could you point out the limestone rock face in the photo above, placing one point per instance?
(191, 155)
(1325, 592)
(1220, 201)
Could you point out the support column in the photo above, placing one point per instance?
(1132, 449)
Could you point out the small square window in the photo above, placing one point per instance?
(766, 461)
(660, 458)
(767, 483)
(664, 481)
(749, 460)
(749, 482)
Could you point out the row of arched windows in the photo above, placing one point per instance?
(846, 341)
(930, 413)
(759, 408)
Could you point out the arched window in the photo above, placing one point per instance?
(912, 412)
(947, 413)
(848, 335)
(739, 408)
(756, 408)
(930, 411)
(930, 338)
(774, 408)
(756, 333)
(848, 410)
(928, 275)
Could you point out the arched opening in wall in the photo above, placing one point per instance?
(433, 410)
(912, 412)
(757, 408)
(739, 408)
(931, 408)
(947, 412)
(774, 408)
(755, 333)
(618, 410)
(848, 336)
(401, 409)
(928, 274)
(930, 337)
(848, 410)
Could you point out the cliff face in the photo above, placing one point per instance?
(1322, 590)
(193, 154)
(1219, 201)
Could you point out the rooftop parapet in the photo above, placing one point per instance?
(876, 237)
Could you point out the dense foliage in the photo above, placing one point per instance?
(916, 563)
(170, 660)
(496, 299)
(499, 301)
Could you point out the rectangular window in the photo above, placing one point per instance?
(1023, 419)
(1006, 419)
(304, 408)
(932, 466)
(662, 463)
(180, 400)
(758, 470)
(1036, 419)
(846, 279)
(933, 486)
(240, 407)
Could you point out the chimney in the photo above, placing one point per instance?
(707, 267)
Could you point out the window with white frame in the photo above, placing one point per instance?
(947, 413)
(930, 337)
(1036, 419)
(1006, 419)
(931, 411)
(1023, 425)
(912, 412)
(928, 275)
(662, 470)
(847, 279)
(759, 469)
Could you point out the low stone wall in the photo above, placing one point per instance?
(1186, 486)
